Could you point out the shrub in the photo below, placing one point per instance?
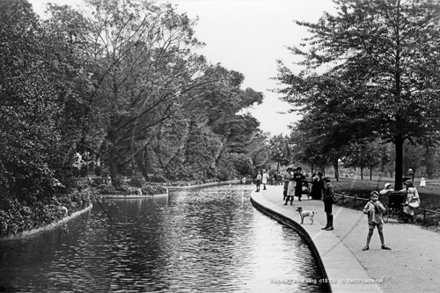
(136, 181)
(98, 171)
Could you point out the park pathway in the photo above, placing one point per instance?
(411, 266)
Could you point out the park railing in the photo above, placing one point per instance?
(429, 217)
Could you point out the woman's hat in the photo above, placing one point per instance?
(408, 183)
(387, 185)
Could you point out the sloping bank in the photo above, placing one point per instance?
(301, 231)
(46, 227)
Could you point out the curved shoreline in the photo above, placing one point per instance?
(297, 227)
(25, 234)
(203, 184)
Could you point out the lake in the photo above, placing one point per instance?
(195, 240)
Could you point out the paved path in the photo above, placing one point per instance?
(413, 264)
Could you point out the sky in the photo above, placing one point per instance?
(248, 36)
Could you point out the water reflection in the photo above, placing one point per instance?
(199, 240)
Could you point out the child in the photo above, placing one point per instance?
(258, 181)
(422, 182)
(374, 209)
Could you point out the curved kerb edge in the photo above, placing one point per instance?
(47, 227)
(301, 231)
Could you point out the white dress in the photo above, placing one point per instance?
(291, 188)
(264, 181)
(412, 199)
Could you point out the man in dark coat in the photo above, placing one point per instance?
(298, 176)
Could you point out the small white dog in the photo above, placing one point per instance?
(304, 214)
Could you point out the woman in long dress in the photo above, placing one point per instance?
(290, 189)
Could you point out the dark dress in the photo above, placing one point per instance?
(298, 177)
(317, 188)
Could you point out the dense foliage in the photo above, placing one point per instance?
(114, 87)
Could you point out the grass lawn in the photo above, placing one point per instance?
(429, 195)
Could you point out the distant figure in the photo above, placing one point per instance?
(299, 177)
(287, 177)
(139, 191)
(422, 182)
(329, 193)
(412, 199)
(317, 186)
(264, 177)
(411, 174)
(291, 187)
(375, 210)
(258, 181)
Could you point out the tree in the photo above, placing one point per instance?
(389, 51)
(37, 146)
(279, 151)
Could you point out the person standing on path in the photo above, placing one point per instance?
(298, 176)
(264, 177)
(287, 177)
(291, 189)
(258, 181)
(375, 209)
(422, 182)
(412, 200)
(317, 186)
(329, 193)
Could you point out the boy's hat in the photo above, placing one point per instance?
(374, 192)
(408, 183)
(320, 174)
(326, 179)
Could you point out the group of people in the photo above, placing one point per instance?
(295, 179)
(375, 209)
(295, 184)
(412, 198)
(262, 177)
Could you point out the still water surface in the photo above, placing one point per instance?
(199, 240)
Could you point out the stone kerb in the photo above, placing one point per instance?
(294, 225)
(47, 227)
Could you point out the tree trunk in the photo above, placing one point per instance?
(398, 174)
(112, 165)
(371, 173)
(336, 167)
(139, 159)
(362, 172)
(111, 136)
(429, 162)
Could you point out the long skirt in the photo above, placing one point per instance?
(291, 188)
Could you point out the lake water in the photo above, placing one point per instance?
(199, 240)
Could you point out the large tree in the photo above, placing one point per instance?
(386, 53)
(36, 141)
